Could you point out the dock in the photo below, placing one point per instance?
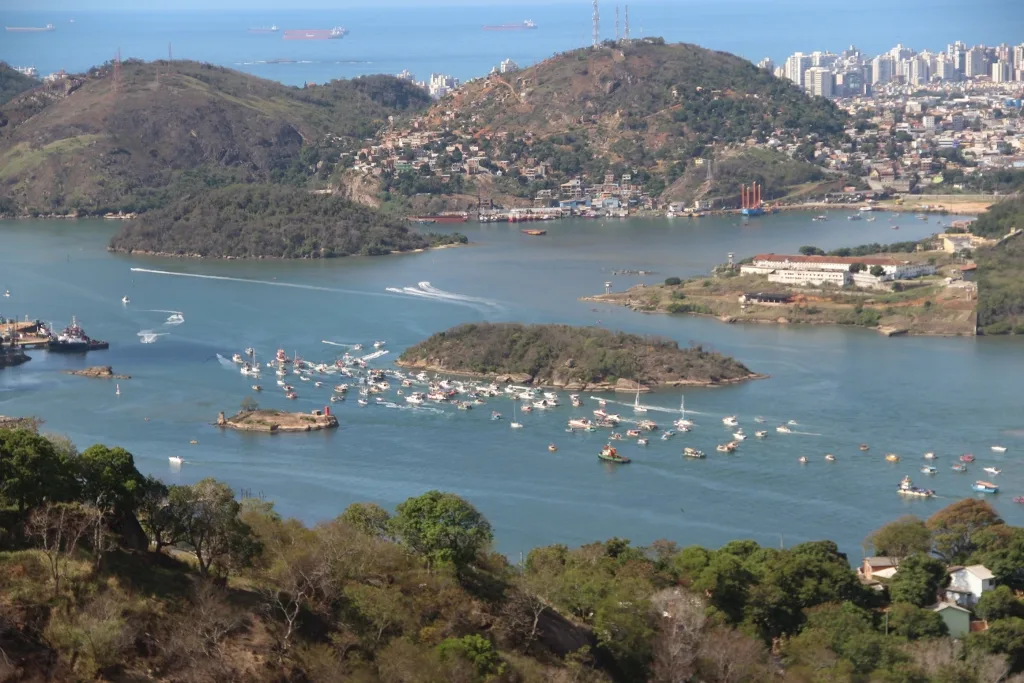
(26, 334)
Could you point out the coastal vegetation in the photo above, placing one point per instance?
(110, 575)
(86, 147)
(570, 356)
(1000, 218)
(1001, 287)
(12, 83)
(269, 221)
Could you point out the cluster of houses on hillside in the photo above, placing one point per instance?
(957, 600)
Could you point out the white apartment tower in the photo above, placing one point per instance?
(1001, 72)
(796, 65)
(976, 63)
(818, 81)
(881, 70)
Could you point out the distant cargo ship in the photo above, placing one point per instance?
(29, 29)
(315, 33)
(263, 29)
(528, 24)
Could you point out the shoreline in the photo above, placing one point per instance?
(162, 254)
(602, 387)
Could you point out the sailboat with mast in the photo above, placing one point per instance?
(637, 408)
(682, 423)
(514, 424)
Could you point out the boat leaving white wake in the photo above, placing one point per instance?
(226, 363)
(149, 336)
(271, 283)
(425, 290)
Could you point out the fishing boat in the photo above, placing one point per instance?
(633, 433)
(783, 429)
(175, 459)
(985, 487)
(830, 458)
(959, 468)
(761, 434)
(802, 460)
(730, 421)
(929, 456)
(907, 488)
(892, 457)
(928, 469)
(993, 470)
(692, 453)
(999, 449)
(966, 457)
(865, 447)
(609, 454)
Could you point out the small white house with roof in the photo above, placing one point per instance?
(967, 584)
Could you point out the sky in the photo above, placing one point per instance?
(229, 5)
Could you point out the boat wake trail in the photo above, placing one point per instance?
(175, 319)
(658, 409)
(271, 283)
(425, 290)
(149, 336)
(804, 433)
(225, 362)
(324, 341)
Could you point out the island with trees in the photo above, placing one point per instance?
(267, 221)
(110, 575)
(573, 358)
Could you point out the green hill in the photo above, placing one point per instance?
(1000, 219)
(563, 355)
(13, 83)
(645, 107)
(267, 221)
(92, 145)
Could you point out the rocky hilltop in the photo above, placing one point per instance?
(86, 144)
(574, 358)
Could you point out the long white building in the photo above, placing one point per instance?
(819, 270)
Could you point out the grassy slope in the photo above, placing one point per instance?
(1001, 287)
(182, 127)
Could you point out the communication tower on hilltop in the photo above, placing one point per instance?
(597, 25)
(625, 34)
(616, 23)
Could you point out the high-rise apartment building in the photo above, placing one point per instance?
(919, 72)
(767, 64)
(796, 65)
(1001, 72)
(881, 70)
(976, 63)
(818, 81)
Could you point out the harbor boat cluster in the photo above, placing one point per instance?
(38, 335)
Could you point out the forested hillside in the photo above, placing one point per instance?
(12, 83)
(267, 221)
(107, 575)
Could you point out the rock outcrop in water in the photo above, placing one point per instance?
(276, 421)
(98, 371)
(573, 358)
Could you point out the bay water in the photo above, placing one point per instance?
(844, 386)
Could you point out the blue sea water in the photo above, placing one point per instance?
(426, 38)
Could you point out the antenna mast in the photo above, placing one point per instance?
(625, 35)
(597, 25)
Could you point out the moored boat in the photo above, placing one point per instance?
(928, 469)
(985, 487)
(761, 434)
(830, 458)
(999, 449)
(865, 447)
(907, 488)
(692, 453)
(730, 421)
(929, 456)
(802, 460)
(892, 457)
(993, 470)
(959, 468)
(966, 457)
(783, 429)
(74, 340)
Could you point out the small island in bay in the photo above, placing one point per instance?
(276, 421)
(571, 358)
(98, 371)
(265, 221)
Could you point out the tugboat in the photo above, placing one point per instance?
(609, 454)
(907, 488)
(74, 340)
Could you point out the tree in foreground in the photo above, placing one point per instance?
(207, 513)
(32, 470)
(442, 527)
(955, 528)
(919, 580)
(901, 538)
(57, 529)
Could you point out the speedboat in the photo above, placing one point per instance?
(647, 425)
(792, 422)
(495, 415)
(125, 300)
(237, 358)
(257, 387)
(928, 469)
(892, 457)
(985, 487)
(929, 456)
(363, 402)
(575, 400)
(357, 347)
(318, 384)
(641, 441)
(633, 433)
(291, 395)
(552, 448)
(783, 429)
(515, 425)
(865, 447)
(999, 449)
(336, 399)
(761, 434)
(802, 460)
(667, 434)
(414, 399)
(341, 388)
(281, 383)
(615, 436)
(378, 344)
(739, 436)
(175, 459)
(692, 453)
(730, 421)
(759, 419)
(7, 293)
(993, 470)
(830, 458)
(907, 488)
(725, 448)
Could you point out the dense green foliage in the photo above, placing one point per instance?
(256, 221)
(560, 353)
(1000, 277)
(1000, 218)
(12, 84)
(242, 594)
(184, 127)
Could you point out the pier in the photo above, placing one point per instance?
(25, 334)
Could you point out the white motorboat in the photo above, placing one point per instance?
(7, 293)
(792, 422)
(802, 460)
(929, 456)
(739, 436)
(125, 300)
(783, 429)
(759, 420)
(250, 352)
(551, 396)
(335, 399)
(257, 387)
(363, 402)
(341, 388)
(237, 358)
(641, 441)
(762, 434)
(378, 344)
(357, 347)
(999, 449)
(414, 399)
(829, 457)
(730, 421)
(993, 470)
(281, 383)
(928, 469)
(580, 423)
(542, 405)
(175, 459)
(318, 384)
